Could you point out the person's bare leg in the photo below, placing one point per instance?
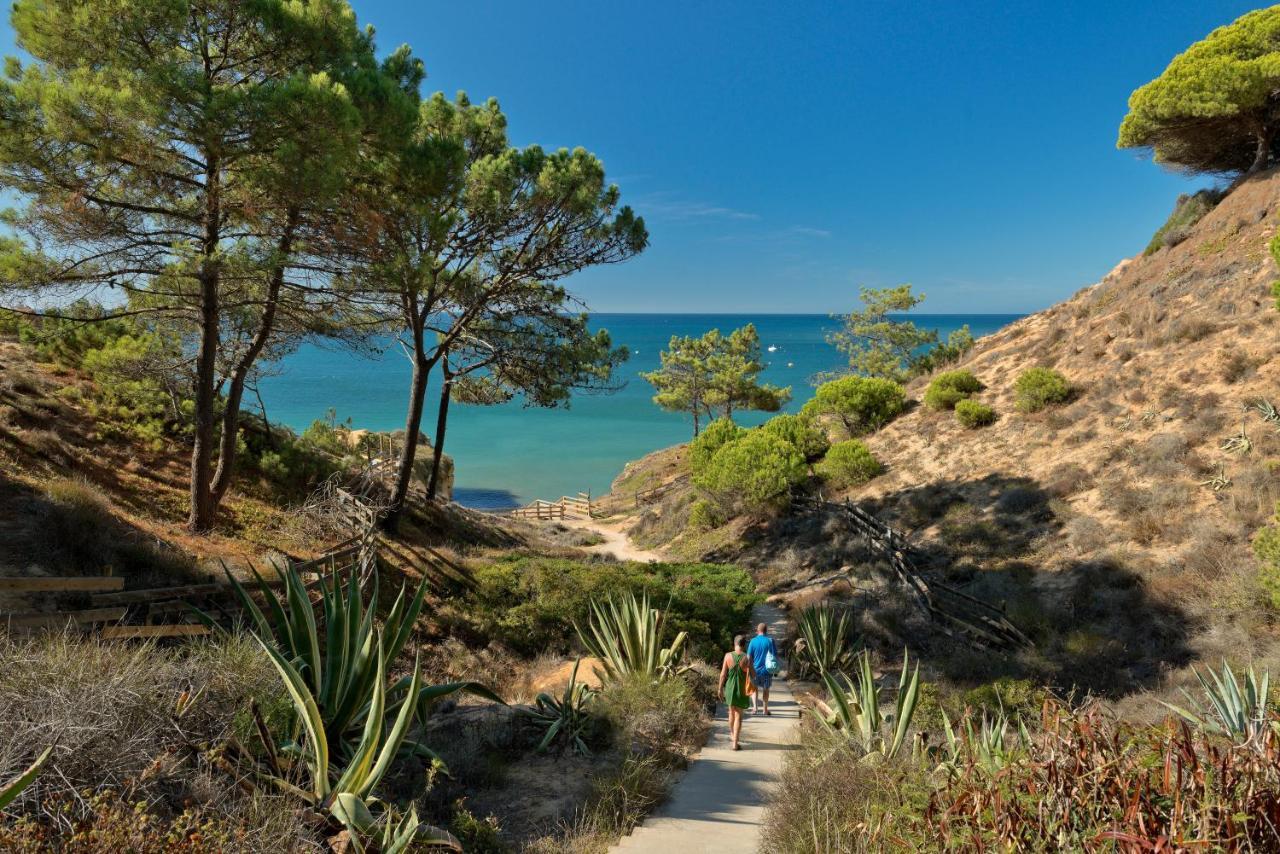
(765, 692)
(735, 725)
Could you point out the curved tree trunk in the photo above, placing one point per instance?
(442, 421)
(412, 429)
(240, 374)
(1263, 156)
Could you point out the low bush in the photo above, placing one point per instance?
(1187, 211)
(973, 414)
(848, 464)
(651, 717)
(530, 604)
(713, 437)
(801, 433)
(1037, 388)
(118, 718)
(1080, 780)
(1266, 545)
(949, 388)
(754, 473)
(958, 343)
(704, 515)
(862, 404)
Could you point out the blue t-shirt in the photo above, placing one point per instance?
(758, 649)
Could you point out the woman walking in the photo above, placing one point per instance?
(735, 686)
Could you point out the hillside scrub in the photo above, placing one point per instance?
(1037, 388)
(754, 473)
(122, 736)
(530, 604)
(986, 785)
(1187, 211)
(973, 414)
(1266, 546)
(949, 388)
(715, 436)
(861, 404)
(800, 433)
(847, 464)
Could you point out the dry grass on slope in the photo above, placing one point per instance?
(1123, 503)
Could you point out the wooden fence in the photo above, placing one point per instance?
(953, 610)
(567, 507)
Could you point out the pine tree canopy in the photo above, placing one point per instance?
(1216, 108)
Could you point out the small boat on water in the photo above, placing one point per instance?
(773, 348)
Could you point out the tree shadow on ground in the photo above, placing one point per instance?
(70, 530)
(1096, 626)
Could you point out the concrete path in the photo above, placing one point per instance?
(718, 805)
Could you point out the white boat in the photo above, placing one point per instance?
(773, 348)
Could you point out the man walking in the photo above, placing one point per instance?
(761, 650)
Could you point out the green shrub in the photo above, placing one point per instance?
(11, 324)
(753, 473)
(972, 414)
(1266, 545)
(714, 436)
(1012, 697)
(848, 464)
(655, 716)
(1187, 211)
(1037, 388)
(863, 404)
(704, 515)
(801, 433)
(949, 388)
(942, 354)
(531, 603)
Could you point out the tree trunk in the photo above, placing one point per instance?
(412, 428)
(1263, 157)
(442, 420)
(202, 506)
(240, 374)
(695, 421)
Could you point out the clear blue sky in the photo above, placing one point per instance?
(785, 153)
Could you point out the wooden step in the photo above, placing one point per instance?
(53, 619)
(174, 630)
(65, 584)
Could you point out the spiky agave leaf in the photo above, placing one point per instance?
(10, 790)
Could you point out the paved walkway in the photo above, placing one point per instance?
(718, 805)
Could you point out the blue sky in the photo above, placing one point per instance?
(785, 153)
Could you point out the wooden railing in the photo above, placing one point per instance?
(953, 610)
(567, 507)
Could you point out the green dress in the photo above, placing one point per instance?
(735, 685)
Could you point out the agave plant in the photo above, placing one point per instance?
(346, 793)
(1238, 711)
(625, 633)
(10, 790)
(824, 631)
(986, 746)
(1267, 410)
(566, 718)
(340, 672)
(854, 712)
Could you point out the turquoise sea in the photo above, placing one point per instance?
(508, 455)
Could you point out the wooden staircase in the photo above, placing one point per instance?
(567, 507)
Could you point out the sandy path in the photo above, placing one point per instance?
(718, 805)
(616, 542)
